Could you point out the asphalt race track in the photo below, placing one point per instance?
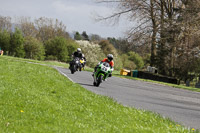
(179, 105)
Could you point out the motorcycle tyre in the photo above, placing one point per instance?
(94, 83)
(99, 80)
(72, 69)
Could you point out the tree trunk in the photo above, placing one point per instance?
(162, 65)
(153, 41)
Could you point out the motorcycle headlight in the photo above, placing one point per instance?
(77, 62)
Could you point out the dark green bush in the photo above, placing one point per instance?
(34, 49)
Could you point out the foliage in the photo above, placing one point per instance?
(146, 60)
(5, 23)
(51, 58)
(92, 52)
(137, 59)
(85, 36)
(49, 28)
(95, 38)
(77, 36)
(28, 27)
(168, 28)
(17, 44)
(126, 63)
(107, 47)
(121, 44)
(5, 40)
(71, 47)
(57, 47)
(34, 49)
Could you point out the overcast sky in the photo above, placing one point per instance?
(77, 15)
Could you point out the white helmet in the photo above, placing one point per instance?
(110, 57)
(78, 49)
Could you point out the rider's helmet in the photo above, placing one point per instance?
(110, 57)
(78, 50)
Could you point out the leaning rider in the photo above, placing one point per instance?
(77, 53)
(109, 59)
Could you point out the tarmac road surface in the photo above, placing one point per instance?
(182, 106)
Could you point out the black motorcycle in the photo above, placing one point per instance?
(74, 65)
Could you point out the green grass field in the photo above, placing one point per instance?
(37, 99)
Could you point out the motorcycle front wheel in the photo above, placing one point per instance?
(99, 80)
(73, 69)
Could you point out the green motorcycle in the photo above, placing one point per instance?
(102, 72)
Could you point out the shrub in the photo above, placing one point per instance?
(137, 59)
(71, 47)
(4, 40)
(34, 49)
(17, 44)
(107, 47)
(51, 57)
(57, 47)
(126, 63)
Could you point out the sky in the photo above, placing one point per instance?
(76, 15)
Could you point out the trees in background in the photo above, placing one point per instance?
(77, 36)
(5, 40)
(40, 39)
(57, 48)
(49, 28)
(17, 44)
(107, 47)
(27, 27)
(34, 49)
(71, 47)
(169, 27)
(85, 36)
(5, 23)
(95, 37)
(137, 59)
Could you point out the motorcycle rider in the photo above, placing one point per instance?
(109, 59)
(77, 53)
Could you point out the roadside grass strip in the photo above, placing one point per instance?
(37, 99)
(159, 83)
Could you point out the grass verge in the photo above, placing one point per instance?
(157, 82)
(35, 98)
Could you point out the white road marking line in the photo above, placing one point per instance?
(64, 74)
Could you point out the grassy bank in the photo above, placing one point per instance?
(35, 98)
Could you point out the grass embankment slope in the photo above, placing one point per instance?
(35, 98)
